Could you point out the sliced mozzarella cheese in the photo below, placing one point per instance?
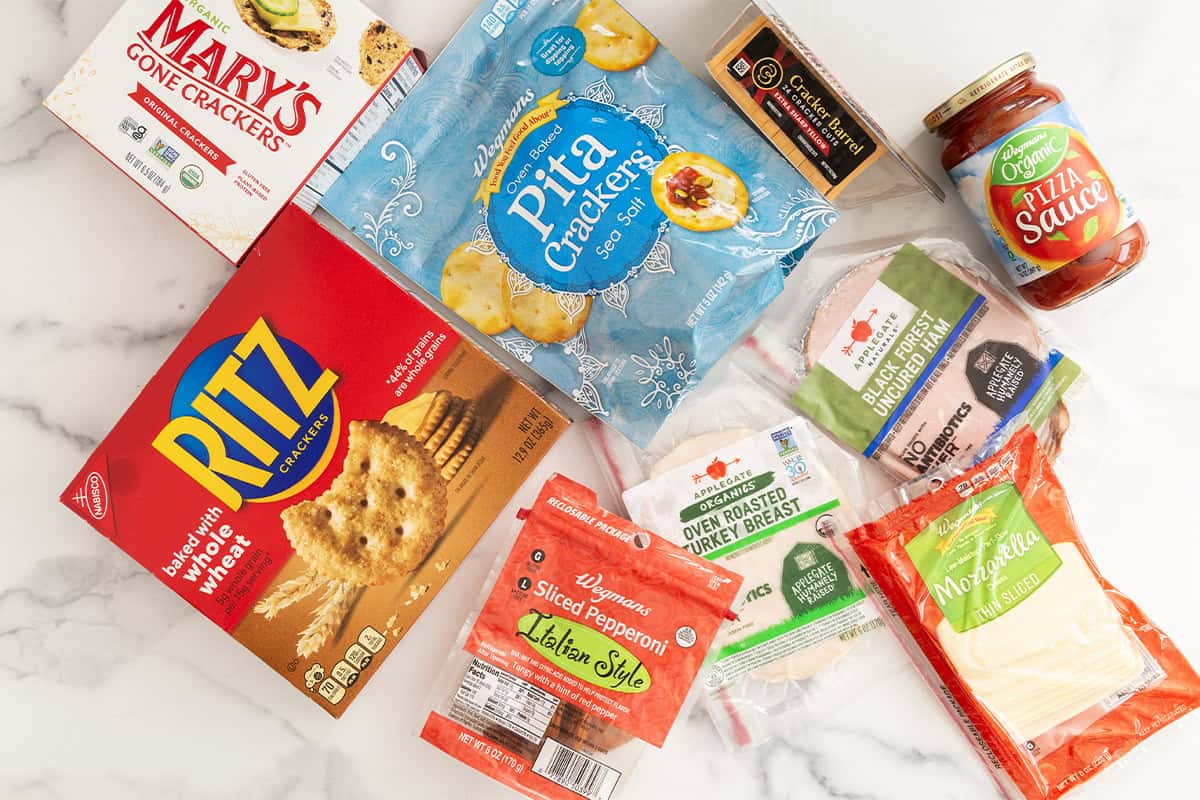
(1058, 653)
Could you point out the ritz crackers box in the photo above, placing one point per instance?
(220, 117)
(314, 460)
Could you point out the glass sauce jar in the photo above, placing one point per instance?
(1024, 167)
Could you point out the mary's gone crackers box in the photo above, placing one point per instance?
(314, 460)
(221, 110)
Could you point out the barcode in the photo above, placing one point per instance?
(573, 770)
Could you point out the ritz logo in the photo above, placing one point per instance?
(253, 419)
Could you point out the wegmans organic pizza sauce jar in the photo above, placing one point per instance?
(1024, 166)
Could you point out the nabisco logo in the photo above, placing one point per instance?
(92, 496)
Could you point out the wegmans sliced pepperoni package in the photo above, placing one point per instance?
(1051, 671)
(584, 651)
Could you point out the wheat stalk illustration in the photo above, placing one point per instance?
(289, 593)
(336, 603)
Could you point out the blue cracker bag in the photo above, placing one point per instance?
(566, 186)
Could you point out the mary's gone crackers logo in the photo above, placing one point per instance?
(185, 56)
(254, 418)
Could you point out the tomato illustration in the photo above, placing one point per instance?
(1050, 197)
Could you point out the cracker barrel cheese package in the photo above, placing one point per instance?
(590, 636)
(314, 460)
(221, 111)
(570, 189)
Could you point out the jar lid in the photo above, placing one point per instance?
(977, 89)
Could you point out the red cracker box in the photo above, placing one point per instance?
(314, 460)
(224, 111)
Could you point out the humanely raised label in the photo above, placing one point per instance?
(253, 418)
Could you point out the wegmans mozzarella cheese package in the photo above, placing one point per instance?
(1051, 671)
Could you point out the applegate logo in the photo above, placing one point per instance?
(188, 59)
(254, 418)
(716, 470)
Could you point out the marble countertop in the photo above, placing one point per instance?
(113, 687)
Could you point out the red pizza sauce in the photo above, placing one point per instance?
(1017, 153)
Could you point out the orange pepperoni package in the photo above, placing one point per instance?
(584, 651)
(1052, 672)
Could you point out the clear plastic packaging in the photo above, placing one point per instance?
(737, 478)
(588, 639)
(813, 120)
(985, 578)
(912, 355)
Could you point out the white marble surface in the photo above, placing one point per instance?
(111, 687)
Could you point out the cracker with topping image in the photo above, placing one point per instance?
(699, 193)
(302, 25)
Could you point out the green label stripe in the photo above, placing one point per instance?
(1031, 155)
(1065, 373)
(771, 531)
(790, 625)
(983, 558)
(723, 498)
(858, 417)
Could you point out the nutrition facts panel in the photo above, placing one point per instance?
(366, 126)
(520, 707)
